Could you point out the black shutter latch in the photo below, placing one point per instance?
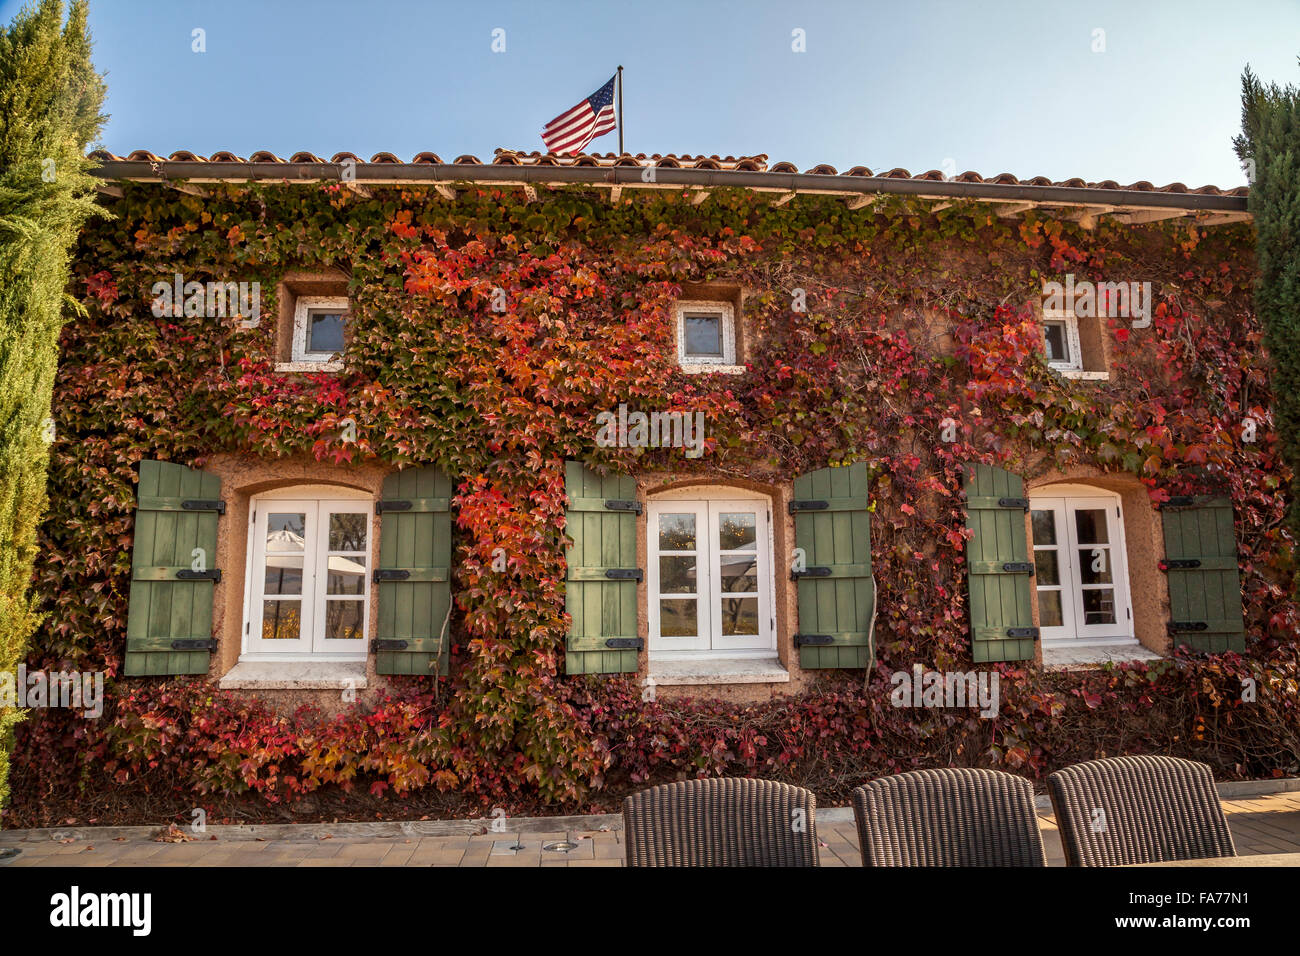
(195, 644)
(185, 574)
(803, 640)
(625, 574)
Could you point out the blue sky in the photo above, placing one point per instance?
(990, 86)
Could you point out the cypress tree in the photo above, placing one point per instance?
(50, 99)
(1269, 146)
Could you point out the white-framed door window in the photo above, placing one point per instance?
(709, 580)
(1080, 569)
(308, 587)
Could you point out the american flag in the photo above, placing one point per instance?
(573, 129)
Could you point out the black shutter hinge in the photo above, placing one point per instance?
(803, 640)
(1021, 503)
(1184, 627)
(391, 574)
(1178, 564)
(625, 574)
(1023, 632)
(1018, 567)
(204, 504)
(387, 645)
(195, 644)
(382, 506)
(1177, 501)
(625, 643)
(813, 572)
(622, 504)
(186, 574)
(809, 505)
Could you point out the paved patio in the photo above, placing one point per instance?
(1260, 823)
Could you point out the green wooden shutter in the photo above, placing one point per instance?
(1204, 584)
(169, 619)
(832, 524)
(601, 582)
(997, 557)
(414, 573)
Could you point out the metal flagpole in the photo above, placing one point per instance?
(620, 111)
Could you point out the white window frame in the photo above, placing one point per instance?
(302, 309)
(1071, 322)
(709, 641)
(1063, 501)
(316, 502)
(707, 363)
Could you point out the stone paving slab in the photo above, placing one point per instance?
(1260, 823)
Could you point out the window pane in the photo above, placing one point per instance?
(1058, 349)
(1045, 567)
(1094, 566)
(286, 532)
(1090, 525)
(281, 620)
(347, 532)
(325, 332)
(678, 618)
(283, 574)
(736, 531)
(677, 575)
(1049, 609)
(346, 575)
(677, 532)
(1044, 525)
(740, 615)
(703, 335)
(343, 620)
(739, 573)
(1099, 606)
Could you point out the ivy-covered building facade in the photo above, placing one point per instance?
(542, 478)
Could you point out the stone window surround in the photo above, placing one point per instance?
(1089, 335)
(317, 282)
(1144, 547)
(704, 295)
(242, 479)
(725, 678)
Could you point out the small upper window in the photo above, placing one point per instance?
(1061, 341)
(706, 336)
(318, 323)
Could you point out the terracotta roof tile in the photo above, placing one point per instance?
(755, 163)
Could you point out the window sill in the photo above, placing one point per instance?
(759, 670)
(1080, 655)
(298, 675)
(1082, 376)
(691, 368)
(309, 366)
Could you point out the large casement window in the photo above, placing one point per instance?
(1081, 572)
(710, 584)
(709, 580)
(307, 590)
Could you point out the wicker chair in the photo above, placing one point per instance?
(948, 817)
(727, 821)
(1125, 810)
